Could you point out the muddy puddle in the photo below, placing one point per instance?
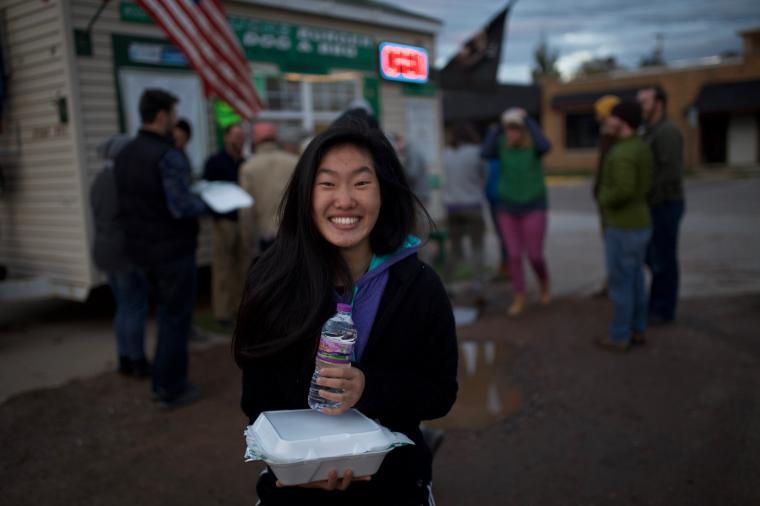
(486, 395)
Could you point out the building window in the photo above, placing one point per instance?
(581, 130)
(283, 95)
(333, 95)
(311, 101)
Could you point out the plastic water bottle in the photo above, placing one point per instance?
(336, 346)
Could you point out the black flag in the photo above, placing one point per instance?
(476, 64)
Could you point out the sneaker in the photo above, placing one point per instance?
(607, 344)
(546, 295)
(125, 366)
(659, 321)
(189, 395)
(141, 369)
(638, 339)
(518, 306)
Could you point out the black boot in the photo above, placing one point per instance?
(141, 368)
(126, 366)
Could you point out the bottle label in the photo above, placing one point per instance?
(335, 352)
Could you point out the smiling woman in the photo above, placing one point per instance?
(344, 236)
(346, 202)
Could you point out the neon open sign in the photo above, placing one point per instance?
(399, 62)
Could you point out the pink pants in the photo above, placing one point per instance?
(524, 234)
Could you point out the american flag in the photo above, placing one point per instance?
(200, 29)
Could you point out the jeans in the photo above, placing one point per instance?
(467, 223)
(130, 290)
(662, 259)
(625, 251)
(524, 234)
(174, 286)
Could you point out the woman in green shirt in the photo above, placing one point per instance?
(521, 205)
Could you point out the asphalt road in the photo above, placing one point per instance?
(542, 417)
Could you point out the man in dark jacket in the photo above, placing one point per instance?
(666, 201)
(158, 213)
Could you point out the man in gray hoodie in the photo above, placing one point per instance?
(463, 197)
(129, 286)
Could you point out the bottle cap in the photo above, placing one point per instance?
(344, 308)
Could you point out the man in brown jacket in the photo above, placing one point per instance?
(265, 177)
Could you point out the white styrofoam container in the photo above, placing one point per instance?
(307, 471)
(304, 445)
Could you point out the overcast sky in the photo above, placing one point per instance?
(582, 29)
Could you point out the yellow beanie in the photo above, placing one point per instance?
(604, 105)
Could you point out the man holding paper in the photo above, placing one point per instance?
(229, 260)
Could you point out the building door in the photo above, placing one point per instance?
(713, 136)
(742, 139)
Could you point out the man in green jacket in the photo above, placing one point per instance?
(624, 185)
(666, 203)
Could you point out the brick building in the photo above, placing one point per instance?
(715, 103)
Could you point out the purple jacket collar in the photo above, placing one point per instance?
(369, 289)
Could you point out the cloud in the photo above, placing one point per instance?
(583, 29)
(568, 63)
(517, 73)
(582, 38)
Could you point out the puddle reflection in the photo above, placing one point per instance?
(485, 393)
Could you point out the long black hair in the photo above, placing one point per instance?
(290, 288)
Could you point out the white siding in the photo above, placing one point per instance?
(393, 116)
(42, 214)
(97, 87)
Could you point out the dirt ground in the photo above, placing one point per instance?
(542, 418)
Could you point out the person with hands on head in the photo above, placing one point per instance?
(346, 220)
(521, 201)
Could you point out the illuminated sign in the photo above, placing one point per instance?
(399, 62)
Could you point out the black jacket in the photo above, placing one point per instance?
(151, 234)
(222, 167)
(410, 368)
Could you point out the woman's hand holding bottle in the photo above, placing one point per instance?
(348, 383)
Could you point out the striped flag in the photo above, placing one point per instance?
(200, 29)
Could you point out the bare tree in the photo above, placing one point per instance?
(544, 61)
(655, 58)
(599, 65)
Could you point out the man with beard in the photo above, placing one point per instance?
(666, 202)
